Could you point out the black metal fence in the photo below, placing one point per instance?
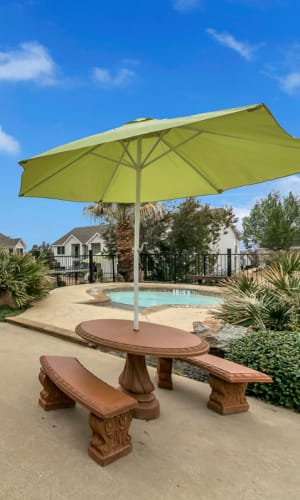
(163, 267)
(184, 267)
(74, 270)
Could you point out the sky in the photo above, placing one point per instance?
(69, 69)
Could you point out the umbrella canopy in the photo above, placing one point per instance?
(151, 160)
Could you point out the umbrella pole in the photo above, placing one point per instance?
(137, 238)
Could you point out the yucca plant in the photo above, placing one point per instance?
(242, 308)
(273, 304)
(23, 279)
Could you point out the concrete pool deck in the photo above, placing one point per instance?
(189, 453)
(65, 307)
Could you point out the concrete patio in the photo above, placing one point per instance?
(190, 452)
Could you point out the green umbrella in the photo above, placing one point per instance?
(151, 160)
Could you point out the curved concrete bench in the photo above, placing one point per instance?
(228, 381)
(65, 381)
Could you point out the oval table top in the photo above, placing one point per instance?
(151, 338)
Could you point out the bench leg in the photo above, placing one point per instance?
(51, 397)
(164, 373)
(110, 439)
(226, 398)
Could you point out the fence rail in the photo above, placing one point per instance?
(73, 270)
(181, 267)
(163, 267)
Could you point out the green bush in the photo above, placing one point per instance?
(277, 354)
(23, 279)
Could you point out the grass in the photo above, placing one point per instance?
(8, 311)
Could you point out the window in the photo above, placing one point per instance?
(96, 248)
(60, 250)
(75, 250)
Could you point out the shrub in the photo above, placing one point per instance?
(23, 279)
(273, 304)
(276, 354)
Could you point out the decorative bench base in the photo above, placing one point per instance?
(110, 439)
(164, 373)
(51, 397)
(228, 381)
(227, 398)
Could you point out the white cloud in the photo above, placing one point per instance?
(105, 78)
(290, 83)
(185, 5)
(245, 49)
(286, 70)
(287, 185)
(8, 144)
(240, 213)
(30, 62)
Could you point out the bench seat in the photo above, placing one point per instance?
(228, 381)
(202, 277)
(66, 381)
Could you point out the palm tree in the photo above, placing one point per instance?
(121, 215)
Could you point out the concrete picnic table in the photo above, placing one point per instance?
(151, 339)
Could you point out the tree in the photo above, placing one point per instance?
(44, 252)
(120, 216)
(155, 230)
(195, 226)
(273, 223)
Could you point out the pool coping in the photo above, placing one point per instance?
(100, 297)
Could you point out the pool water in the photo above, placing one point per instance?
(151, 298)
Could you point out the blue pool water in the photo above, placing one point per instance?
(150, 298)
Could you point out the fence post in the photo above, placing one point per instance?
(144, 264)
(175, 268)
(113, 268)
(229, 269)
(91, 267)
(204, 264)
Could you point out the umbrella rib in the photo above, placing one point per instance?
(124, 146)
(118, 162)
(239, 138)
(113, 175)
(171, 148)
(161, 135)
(53, 174)
(218, 190)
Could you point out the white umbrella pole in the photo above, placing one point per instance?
(137, 239)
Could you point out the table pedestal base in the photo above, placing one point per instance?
(148, 409)
(135, 381)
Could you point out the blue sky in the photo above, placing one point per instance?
(71, 68)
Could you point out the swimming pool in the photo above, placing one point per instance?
(151, 298)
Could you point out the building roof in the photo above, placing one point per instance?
(7, 242)
(83, 234)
